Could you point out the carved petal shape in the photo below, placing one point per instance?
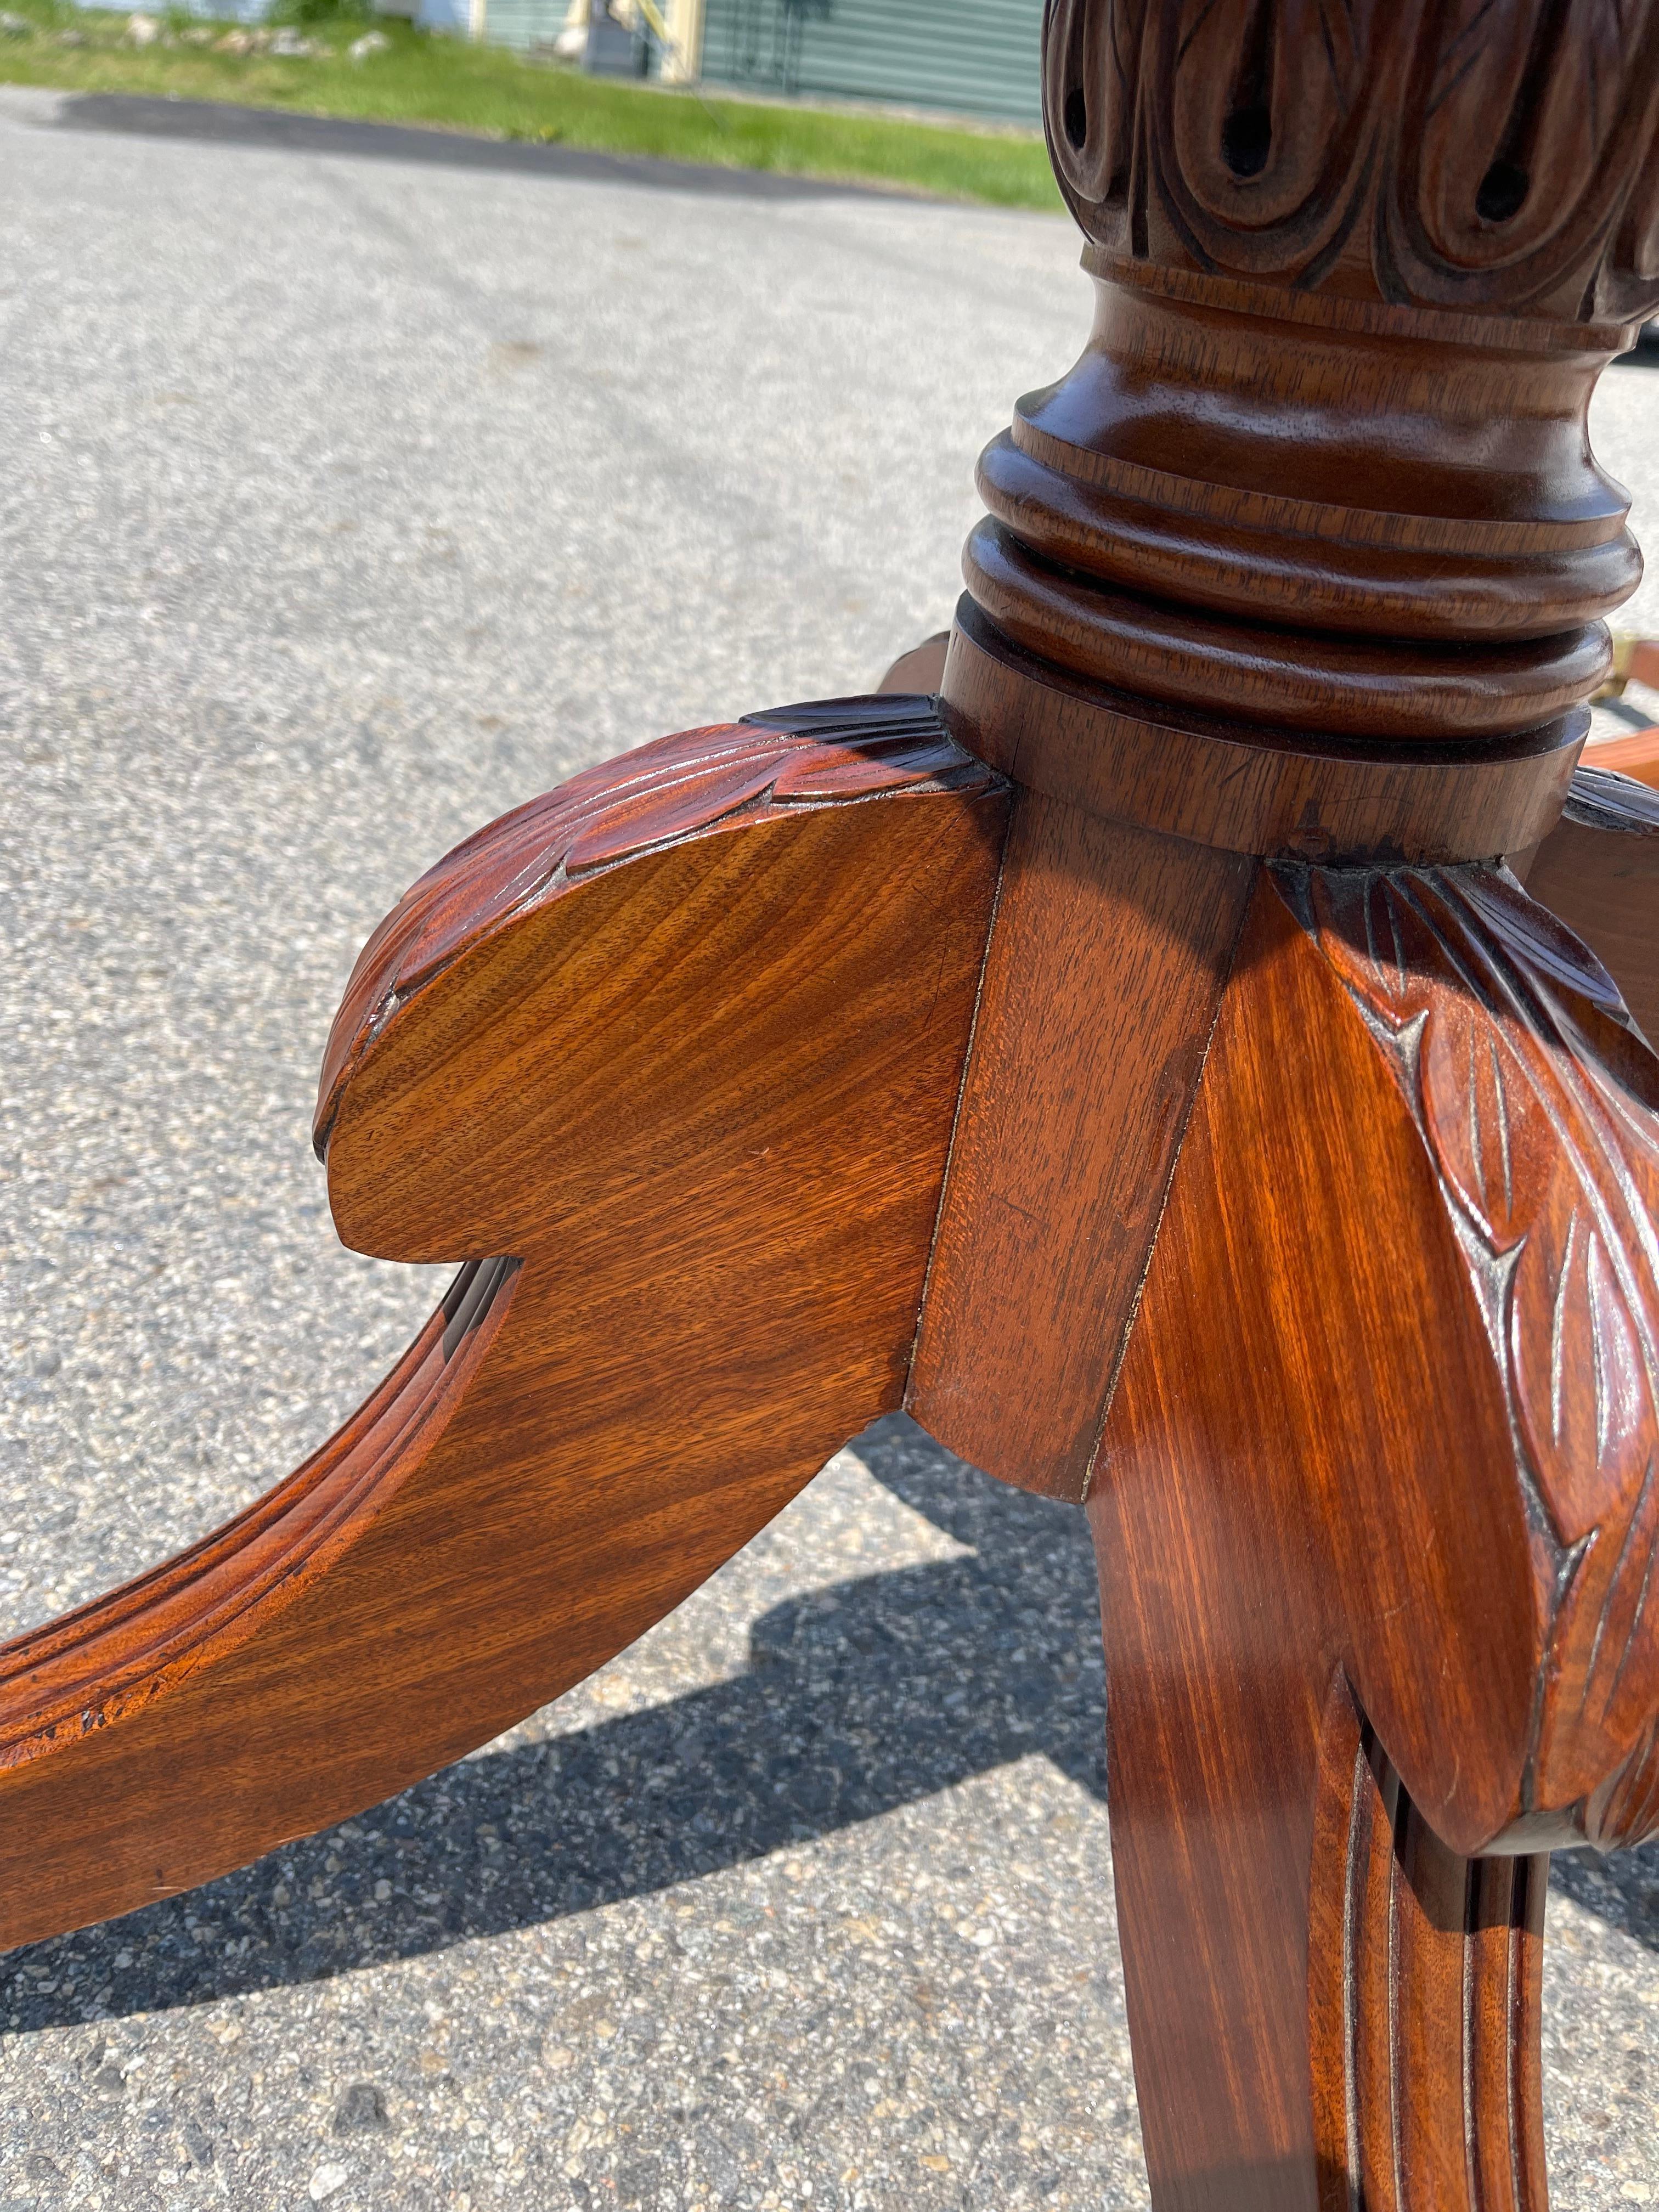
(1581, 1385)
(1624, 1811)
(1490, 1137)
(1527, 126)
(1540, 1105)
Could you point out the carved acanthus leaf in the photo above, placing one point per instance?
(681, 787)
(1539, 1105)
(1492, 154)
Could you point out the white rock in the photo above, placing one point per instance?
(571, 43)
(14, 27)
(372, 42)
(290, 46)
(325, 2181)
(234, 42)
(143, 30)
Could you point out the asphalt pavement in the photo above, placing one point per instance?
(353, 491)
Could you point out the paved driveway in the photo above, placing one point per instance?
(348, 498)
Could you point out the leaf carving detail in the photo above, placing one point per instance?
(1491, 1137)
(1539, 1106)
(835, 753)
(1580, 1387)
(1494, 154)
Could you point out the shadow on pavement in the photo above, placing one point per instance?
(872, 1695)
(270, 130)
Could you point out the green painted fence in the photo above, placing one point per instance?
(976, 56)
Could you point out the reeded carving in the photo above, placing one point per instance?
(1419, 1949)
(1486, 154)
(107, 1661)
(1538, 1105)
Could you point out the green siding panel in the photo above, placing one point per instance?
(978, 56)
(524, 22)
(975, 56)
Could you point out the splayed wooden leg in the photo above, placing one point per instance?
(671, 1058)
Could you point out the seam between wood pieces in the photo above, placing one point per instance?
(1122, 1346)
(961, 1092)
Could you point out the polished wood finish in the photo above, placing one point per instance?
(1238, 1148)
(1323, 464)
(670, 1059)
(1218, 783)
(920, 670)
(1306, 561)
(1636, 756)
(1425, 1993)
(1318, 504)
(1105, 968)
(1310, 1517)
(1489, 160)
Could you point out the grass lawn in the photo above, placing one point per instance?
(456, 86)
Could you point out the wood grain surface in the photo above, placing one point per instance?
(1636, 756)
(1107, 957)
(1323, 473)
(670, 1059)
(920, 670)
(1373, 1453)
(1425, 1999)
(1303, 1174)
(1483, 160)
(1235, 504)
(1538, 1105)
(1308, 557)
(1216, 783)
(1291, 679)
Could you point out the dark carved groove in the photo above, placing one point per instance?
(1501, 151)
(1424, 1999)
(1325, 462)
(1247, 134)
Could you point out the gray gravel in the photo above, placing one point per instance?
(351, 498)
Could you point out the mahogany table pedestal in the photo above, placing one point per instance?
(1138, 1060)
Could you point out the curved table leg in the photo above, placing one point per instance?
(1374, 1508)
(1327, 2006)
(670, 1057)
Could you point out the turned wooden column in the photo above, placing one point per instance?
(1299, 1210)
(1307, 555)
